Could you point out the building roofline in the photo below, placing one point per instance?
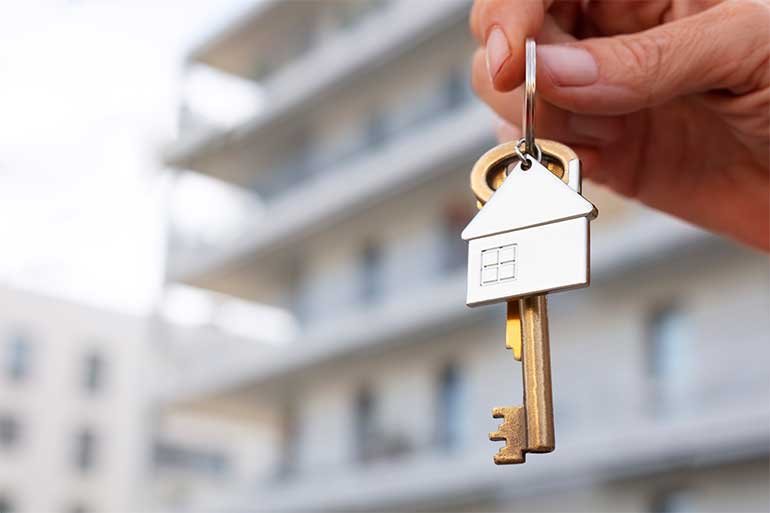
(464, 135)
(434, 18)
(230, 27)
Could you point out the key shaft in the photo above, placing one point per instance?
(538, 396)
(528, 428)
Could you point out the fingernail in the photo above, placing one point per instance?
(568, 65)
(600, 129)
(497, 51)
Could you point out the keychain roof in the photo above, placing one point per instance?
(525, 199)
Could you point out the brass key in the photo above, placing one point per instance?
(527, 428)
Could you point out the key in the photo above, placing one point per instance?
(527, 428)
(529, 238)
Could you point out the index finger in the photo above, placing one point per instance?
(515, 21)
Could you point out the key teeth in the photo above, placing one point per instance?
(504, 457)
(499, 412)
(512, 431)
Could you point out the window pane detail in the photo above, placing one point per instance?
(364, 428)
(10, 431)
(371, 273)
(85, 450)
(449, 410)
(669, 358)
(18, 358)
(93, 372)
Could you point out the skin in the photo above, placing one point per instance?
(679, 114)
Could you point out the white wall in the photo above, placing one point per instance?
(39, 475)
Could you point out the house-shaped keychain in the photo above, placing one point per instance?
(531, 237)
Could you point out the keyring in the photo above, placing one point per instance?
(528, 114)
(537, 154)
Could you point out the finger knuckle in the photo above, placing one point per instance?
(749, 10)
(743, 64)
(642, 56)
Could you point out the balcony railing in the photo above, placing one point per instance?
(318, 29)
(444, 258)
(619, 423)
(346, 189)
(381, 131)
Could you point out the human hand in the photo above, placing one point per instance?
(666, 101)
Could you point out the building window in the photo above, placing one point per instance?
(289, 440)
(449, 412)
(371, 273)
(10, 431)
(364, 424)
(18, 358)
(672, 501)
(85, 450)
(669, 357)
(93, 372)
(454, 248)
(203, 461)
(6, 506)
(78, 508)
(376, 130)
(457, 89)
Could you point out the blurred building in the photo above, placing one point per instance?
(382, 400)
(75, 417)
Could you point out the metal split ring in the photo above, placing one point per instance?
(528, 113)
(537, 154)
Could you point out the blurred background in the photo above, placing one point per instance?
(232, 281)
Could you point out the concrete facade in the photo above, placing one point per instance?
(382, 401)
(75, 418)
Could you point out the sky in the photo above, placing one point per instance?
(90, 91)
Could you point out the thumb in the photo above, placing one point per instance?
(725, 47)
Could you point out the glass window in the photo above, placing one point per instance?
(371, 273)
(457, 89)
(78, 508)
(200, 460)
(10, 431)
(6, 506)
(93, 372)
(669, 356)
(289, 441)
(364, 424)
(449, 412)
(673, 501)
(85, 450)
(376, 130)
(18, 357)
(454, 249)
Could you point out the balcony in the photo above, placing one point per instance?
(616, 439)
(374, 41)
(375, 132)
(445, 136)
(424, 309)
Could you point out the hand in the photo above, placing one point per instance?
(666, 101)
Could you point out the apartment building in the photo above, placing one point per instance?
(74, 410)
(382, 399)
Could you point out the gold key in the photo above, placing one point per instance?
(527, 428)
(515, 245)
